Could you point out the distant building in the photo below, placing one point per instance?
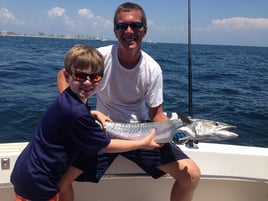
(10, 33)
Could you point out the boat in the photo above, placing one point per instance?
(228, 172)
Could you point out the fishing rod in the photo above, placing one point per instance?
(190, 100)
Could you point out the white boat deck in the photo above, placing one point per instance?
(229, 173)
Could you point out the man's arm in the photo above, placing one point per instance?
(157, 114)
(61, 82)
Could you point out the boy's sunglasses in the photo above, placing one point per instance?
(124, 26)
(82, 77)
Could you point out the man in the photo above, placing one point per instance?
(132, 90)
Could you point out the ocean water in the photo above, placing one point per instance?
(230, 84)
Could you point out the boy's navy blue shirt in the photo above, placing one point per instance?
(67, 130)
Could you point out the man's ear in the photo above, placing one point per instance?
(115, 33)
(145, 30)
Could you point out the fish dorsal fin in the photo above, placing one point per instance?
(184, 119)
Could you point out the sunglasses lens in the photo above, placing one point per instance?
(124, 26)
(81, 76)
(96, 77)
(121, 26)
(136, 25)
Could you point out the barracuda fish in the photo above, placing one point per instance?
(197, 130)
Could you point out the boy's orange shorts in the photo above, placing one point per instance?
(19, 198)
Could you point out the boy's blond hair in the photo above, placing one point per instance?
(83, 57)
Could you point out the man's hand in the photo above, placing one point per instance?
(102, 118)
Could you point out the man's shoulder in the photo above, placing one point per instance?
(149, 60)
(106, 49)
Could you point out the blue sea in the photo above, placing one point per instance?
(230, 84)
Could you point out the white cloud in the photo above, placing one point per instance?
(6, 17)
(100, 21)
(164, 33)
(89, 24)
(241, 23)
(84, 22)
(59, 14)
(85, 13)
(56, 11)
(96, 21)
(233, 31)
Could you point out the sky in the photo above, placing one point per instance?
(222, 22)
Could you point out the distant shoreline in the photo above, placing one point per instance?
(81, 37)
(58, 36)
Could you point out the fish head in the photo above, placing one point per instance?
(207, 130)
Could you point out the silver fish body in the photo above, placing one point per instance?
(133, 131)
(195, 129)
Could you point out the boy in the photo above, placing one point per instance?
(68, 134)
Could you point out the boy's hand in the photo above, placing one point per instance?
(149, 142)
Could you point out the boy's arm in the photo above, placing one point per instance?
(117, 145)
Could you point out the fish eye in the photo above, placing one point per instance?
(216, 123)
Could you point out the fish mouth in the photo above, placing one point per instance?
(227, 128)
(226, 131)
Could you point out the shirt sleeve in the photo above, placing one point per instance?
(89, 135)
(154, 95)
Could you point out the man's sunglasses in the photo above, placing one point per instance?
(82, 77)
(133, 26)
